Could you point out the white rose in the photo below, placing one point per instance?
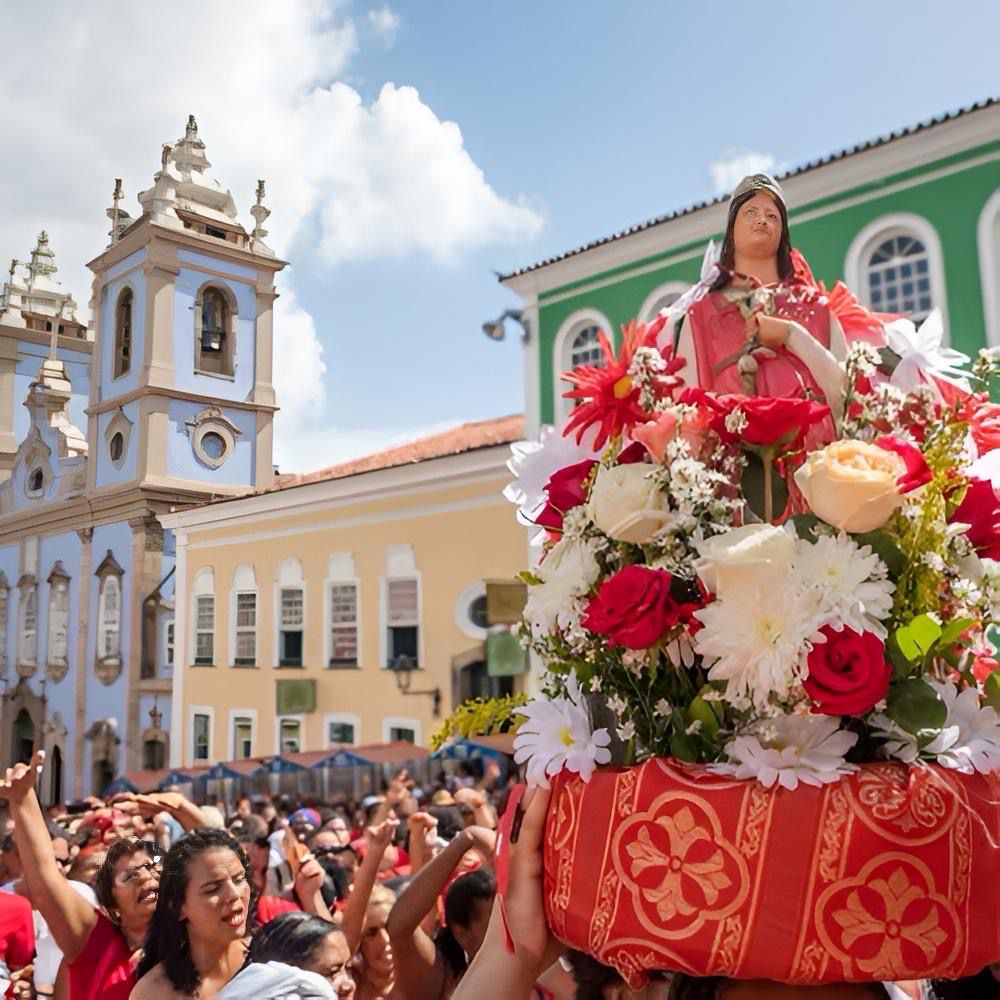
(568, 572)
(755, 555)
(627, 504)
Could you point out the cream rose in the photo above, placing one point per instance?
(626, 503)
(852, 485)
(755, 555)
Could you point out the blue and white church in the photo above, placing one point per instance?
(164, 400)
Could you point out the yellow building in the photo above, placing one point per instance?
(293, 605)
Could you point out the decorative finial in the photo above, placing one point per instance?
(260, 192)
(42, 257)
(191, 132)
(155, 717)
(165, 155)
(260, 214)
(120, 219)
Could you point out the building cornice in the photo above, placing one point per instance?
(157, 392)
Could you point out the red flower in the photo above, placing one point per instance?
(777, 419)
(917, 473)
(634, 608)
(983, 666)
(565, 490)
(980, 509)
(608, 397)
(984, 422)
(848, 673)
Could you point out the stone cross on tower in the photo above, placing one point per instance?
(42, 258)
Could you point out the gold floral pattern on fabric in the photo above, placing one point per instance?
(679, 868)
(915, 805)
(831, 857)
(757, 815)
(889, 920)
(606, 901)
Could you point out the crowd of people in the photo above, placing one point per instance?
(152, 897)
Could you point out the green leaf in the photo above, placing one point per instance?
(885, 547)
(916, 707)
(752, 485)
(683, 748)
(991, 689)
(804, 524)
(526, 576)
(901, 663)
(702, 711)
(952, 632)
(917, 638)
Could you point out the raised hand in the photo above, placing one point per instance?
(20, 779)
(422, 825)
(471, 797)
(379, 837)
(309, 878)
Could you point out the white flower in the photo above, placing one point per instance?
(695, 727)
(626, 731)
(849, 581)
(757, 639)
(663, 709)
(807, 748)
(921, 353)
(627, 504)
(754, 555)
(617, 704)
(533, 464)
(568, 572)
(977, 745)
(595, 683)
(901, 745)
(556, 734)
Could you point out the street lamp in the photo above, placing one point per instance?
(402, 667)
(495, 329)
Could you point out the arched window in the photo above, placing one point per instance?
(988, 240)
(659, 298)
(243, 616)
(215, 329)
(204, 616)
(576, 344)
(27, 632)
(58, 622)
(290, 607)
(123, 333)
(895, 266)
(109, 619)
(56, 776)
(4, 595)
(154, 754)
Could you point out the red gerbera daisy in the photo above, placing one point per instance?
(607, 394)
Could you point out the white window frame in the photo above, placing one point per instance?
(344, 719)
(884, 228)
(568, 329)
(462, 604)
(27, 650)
(59, 583)
(384, 616)
(242, 713)
(194, 710)
(290, 577)
(328, 586)
(278, 720)
(390, 722)
(169, 642)
(988, 242)
(203, 585)
(244, 582)
(646, 313)
(4, 617)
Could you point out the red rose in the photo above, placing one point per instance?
(634, 608)
(980, 509)
(848, 673)
(983, 666)
(773, 419)
(565, 490)
(917, 471)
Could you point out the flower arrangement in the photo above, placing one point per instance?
(747, 583)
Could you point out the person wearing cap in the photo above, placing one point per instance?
(762, 328)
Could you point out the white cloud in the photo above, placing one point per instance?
(364, 181)
(737, 164)
(385, 23)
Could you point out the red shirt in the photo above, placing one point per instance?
(104, 967)
(17, 931)
(269, 907)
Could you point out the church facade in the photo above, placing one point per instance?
(168, 401)
(910, 221)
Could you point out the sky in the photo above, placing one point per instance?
(412, 149)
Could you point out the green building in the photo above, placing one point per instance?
(910, 221)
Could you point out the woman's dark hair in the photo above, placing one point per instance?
(291, 938)
(104, 880)
(727, 257)
(449, 821)
(460, 903)
(591, 978)
(167, 939)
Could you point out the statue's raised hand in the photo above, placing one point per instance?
(20, 779)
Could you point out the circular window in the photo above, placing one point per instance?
(214, 445)
(477, 611)
(36, 480)
(470, 610)
(117, 447)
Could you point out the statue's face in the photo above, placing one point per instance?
(757, 230)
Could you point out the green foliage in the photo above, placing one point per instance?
(916, 707)
(480, 717)
(991, 690)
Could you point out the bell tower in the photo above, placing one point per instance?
(181, 394)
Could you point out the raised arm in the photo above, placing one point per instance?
(69, 916)
(378, 839)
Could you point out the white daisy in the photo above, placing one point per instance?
(901, 745)
(757, 639)
(849, 580)
(556, 734)
(568, 572)
(977, 746)
(794, 748)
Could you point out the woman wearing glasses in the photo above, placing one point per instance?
(100, 949)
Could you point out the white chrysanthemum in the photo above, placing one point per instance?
(556, 734)
(757, 639)
(791, 748)
(849, 580)
(901, 745)
(567, 573)
(533, 464)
